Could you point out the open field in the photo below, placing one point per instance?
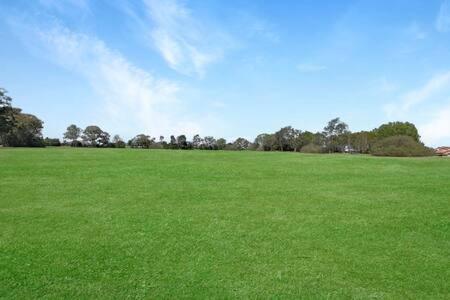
(117, 223)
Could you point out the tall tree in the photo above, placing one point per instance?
(142, 141)
(209, 143)
(94, 136)
(197, 142)
(308, 138)
(173, 142)
(241, 144)
(286, 138)
(182, 142)
(334, 133)
(6, 114)
(72, 134)
(265, 142)
(27, 131)
(221, 144)
(118, 142)
(162, 142)
(362, 141)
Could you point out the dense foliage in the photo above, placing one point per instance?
(397, 128)
(400, 145)
(6, 113)
(53, 142)
(25, 131)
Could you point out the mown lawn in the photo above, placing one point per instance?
(118, 223)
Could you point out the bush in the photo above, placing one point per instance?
(76, 143)
(400, 145)
(120, 144)
(311, 148)
(52, 142)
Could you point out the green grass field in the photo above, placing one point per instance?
(122, 223)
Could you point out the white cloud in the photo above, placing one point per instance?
(135, 101)
(443, 17)
(311, 68)
(187, 45)
(434, 127)
(435, 85)
(437, 130)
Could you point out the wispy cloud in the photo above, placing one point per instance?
(437, 130)
(417, 96)
(310, 68)
(443, 17)
(133, 99)
(435, 127)
(187, 45)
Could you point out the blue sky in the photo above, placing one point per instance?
(228, 68)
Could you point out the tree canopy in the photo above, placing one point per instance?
(397, 128)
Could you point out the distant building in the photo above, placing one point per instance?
(443, 151)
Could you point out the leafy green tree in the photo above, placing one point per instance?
(118, 142)
(26, 132)
(209, 143)
(362, 141)
(182, 142)
(308, 138)
(397, 128)
(94, 136)
(265, 142)
(6, 114)
(104, 139)
(400, 145)
(197, 142)
(221, 144)
(335, 134)
(142, 141)
(72, 134)
(287, 139)
(241, 144)
(173, 142)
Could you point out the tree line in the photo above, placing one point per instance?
(390, 139)
(394, 138)
(94, 136)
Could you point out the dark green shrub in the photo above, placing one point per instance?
(120, 144)
(312, 148)
(400, 145)
(52, 142)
